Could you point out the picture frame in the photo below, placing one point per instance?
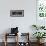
(17, 13)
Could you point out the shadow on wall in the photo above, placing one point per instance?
(32, 30)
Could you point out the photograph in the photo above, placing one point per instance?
(22, 22)
(17, 13)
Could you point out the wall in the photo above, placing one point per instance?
(23, 23)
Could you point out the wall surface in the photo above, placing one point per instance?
(24, 23)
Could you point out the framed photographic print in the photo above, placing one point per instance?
(17, 13)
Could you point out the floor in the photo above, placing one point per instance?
(13, 44)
